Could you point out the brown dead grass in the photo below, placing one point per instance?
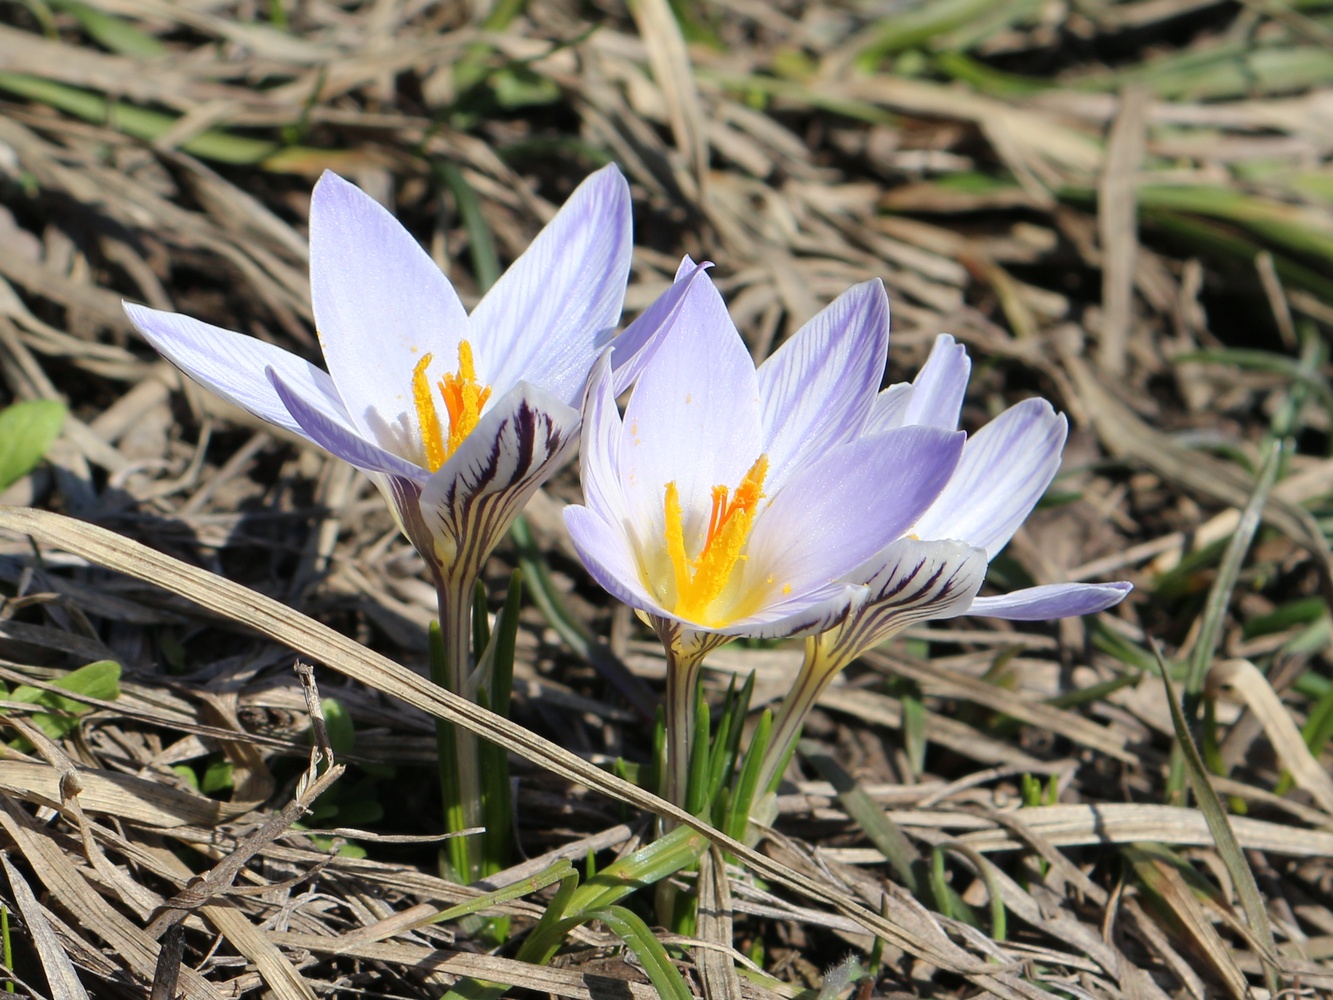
(1079, 271)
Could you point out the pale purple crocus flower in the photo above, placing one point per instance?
(731, 501)
(936, 568)
(457, 418)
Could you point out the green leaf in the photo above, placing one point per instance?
(338, 724)
(99, 679)
(217, 777)
(631, 929)
(560, 870)
(26, 431)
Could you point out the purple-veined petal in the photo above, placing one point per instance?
(939, 388)
(693, 418)
(472, 500)
(542, 321)
(889, 408)
(847, 505)
(380, 305)
(934, 398)
(908, 582)
(1005, 469)
(232, 365)
(816, 610)
(599, 453)
(332, 432)
(818, 387)
(1056, 600)
(634, 346)
(605, 552)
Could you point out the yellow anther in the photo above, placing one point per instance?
(464, 398)
(431, 439)
(702, 580)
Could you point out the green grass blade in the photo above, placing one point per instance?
(1251, 901)
(639, 938)
(111, 32)
(882, 831)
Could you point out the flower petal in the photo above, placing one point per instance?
(472, 500)
(934, 398)
(1005, 469)
(380, 305)
(818, 387)
(599, 451)
(332, 432)
(605, 552)
(232, 365)
(909, 582)
(847, 505)
(632, 348)
(1056, 600)
(693, 418)
(814, 611)
(541, 322)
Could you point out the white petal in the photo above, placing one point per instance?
(818, 387)
(607, 555)
(847, 505)
(543, 321)
(1006, 467)
(380, 305)
(693, 418)
(333, 433)
(934, 397)
(232, 365)
(814, 611)
(635, 345)
(1056, 600)
(599, 453)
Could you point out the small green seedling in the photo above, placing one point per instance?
(26, 432)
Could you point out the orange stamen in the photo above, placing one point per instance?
(701, 581)
(464, 397)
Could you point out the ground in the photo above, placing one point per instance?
(1123, 207)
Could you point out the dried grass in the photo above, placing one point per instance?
(1142, 236)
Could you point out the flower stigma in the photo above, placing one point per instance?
(702, 580)
(463, 398)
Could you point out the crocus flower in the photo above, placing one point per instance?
(936, 568)
(457, 418)
(733, 501)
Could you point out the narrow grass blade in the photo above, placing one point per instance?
(1251, 901)
(562, 869)
(631, 929)
(881, 830)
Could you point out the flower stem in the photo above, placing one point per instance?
(457, 748)
(816, 673)
(683, 669)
